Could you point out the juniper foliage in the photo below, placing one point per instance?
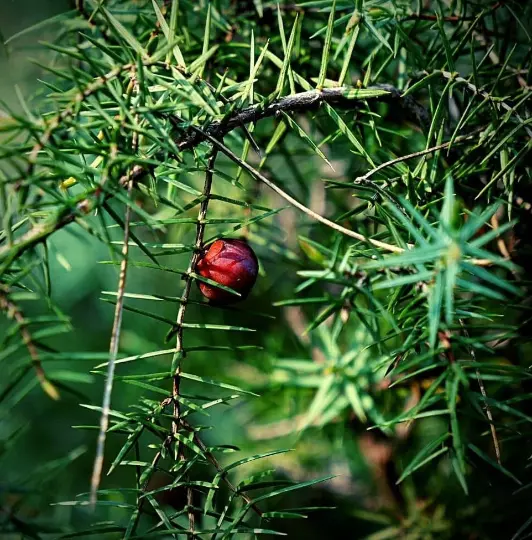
(376, 156)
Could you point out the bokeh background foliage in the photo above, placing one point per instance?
(375, 155)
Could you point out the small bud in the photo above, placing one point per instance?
(231, 263)
(85, 206)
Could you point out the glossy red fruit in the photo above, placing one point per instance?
(231, 263)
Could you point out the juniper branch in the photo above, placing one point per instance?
(179, 349)
(210, 456)
(295, 202)
(66, 215)
(400, 159)
(343, 96)
(498, 103)
(15, 313)
(305, 101)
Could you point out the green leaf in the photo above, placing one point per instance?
(131, 440)
(295, 126)
(369, 25)
(490, 277)
(299, 485)
(351, 392)
(400, 281)
(493, 463)
(124, 33)
(169, 35)
(326, 48)
(323, 398)
(435, 303)
(354, 21)
(342, 126)
(287, 50)
(427, 454)
(423, 255)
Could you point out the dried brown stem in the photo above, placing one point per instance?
(15, 313)
(295, 202)
(115, 333)
(496, 445)
(113, 352)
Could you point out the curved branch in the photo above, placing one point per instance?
(343, 96)
(295, 202)
(15, 313)
(400, 159)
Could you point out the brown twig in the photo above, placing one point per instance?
(179, 351)
(295, 202)
(487, 408)
(15, 313)
(343, 96)
(113, 352)
(116, 330)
